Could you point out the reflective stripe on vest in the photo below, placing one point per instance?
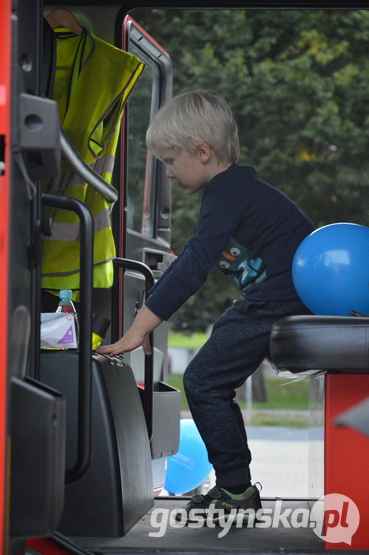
(62, 231)
(93, 81)
(64, 180)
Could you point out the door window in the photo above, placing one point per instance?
(141, 165)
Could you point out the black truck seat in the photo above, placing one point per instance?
(337, 348)
(306, 344)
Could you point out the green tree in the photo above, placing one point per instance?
(298, 84)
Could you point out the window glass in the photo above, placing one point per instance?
(141, 164)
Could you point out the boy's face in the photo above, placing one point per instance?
(188, 171)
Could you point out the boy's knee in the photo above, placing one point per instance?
(191, 384)
(187, 381)
(196, 385)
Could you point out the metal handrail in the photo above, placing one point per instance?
(84, 446)
(127, 264)
(72, 157)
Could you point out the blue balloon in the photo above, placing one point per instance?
(190, 466)
(330, 270)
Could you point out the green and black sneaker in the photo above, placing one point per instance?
(219, 503)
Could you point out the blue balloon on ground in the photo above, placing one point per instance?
(330, 270)
(190, 466)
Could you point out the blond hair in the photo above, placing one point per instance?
(192, 117)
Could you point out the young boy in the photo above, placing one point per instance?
(250, 231)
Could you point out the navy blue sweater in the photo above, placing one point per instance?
(246, 227)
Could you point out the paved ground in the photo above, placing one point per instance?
(280, 460)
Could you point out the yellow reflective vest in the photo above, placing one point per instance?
(93, 80)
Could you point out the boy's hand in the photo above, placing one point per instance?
(137, 335)
(130, 341)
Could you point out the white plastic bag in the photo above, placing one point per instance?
(58, 331)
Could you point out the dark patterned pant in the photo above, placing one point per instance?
(238, 344)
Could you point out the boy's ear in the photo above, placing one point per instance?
(203, 152)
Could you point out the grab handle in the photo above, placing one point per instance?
(127, 264)
(72, 157)
(84, 448)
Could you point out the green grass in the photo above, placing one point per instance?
(294, 396)
(194, 341)
(281, 421)
(176, 380)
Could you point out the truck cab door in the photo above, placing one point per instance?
(146, 210)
